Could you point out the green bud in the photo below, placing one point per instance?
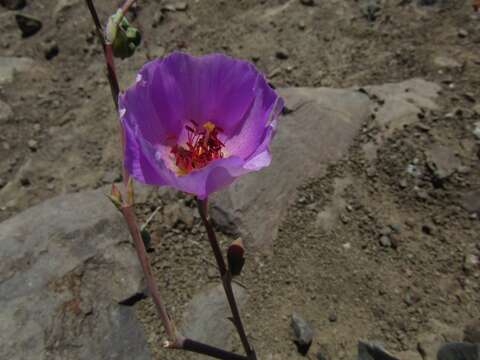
(123, 37)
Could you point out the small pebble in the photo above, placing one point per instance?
(281, 54)
(462, 33)
(302, 332)
(395, 227)
(332, 317)
(428, 229)
(307, 2)
(13, 4)
(32, 145)
(51, 50)
(157, 18)
(385, 241)
(24, 181)
(28, 25)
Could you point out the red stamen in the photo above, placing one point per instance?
(202, 146)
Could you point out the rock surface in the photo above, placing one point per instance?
(318, 128)
(206, 316)
(64, 266)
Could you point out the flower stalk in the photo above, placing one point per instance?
(226, 277)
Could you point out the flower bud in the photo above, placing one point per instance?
(123, 37)
(115, 197)
(235, 257)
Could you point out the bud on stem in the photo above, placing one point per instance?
(235, 257)
(115, 197)
(123, 37)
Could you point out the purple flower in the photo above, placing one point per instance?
(197, 123)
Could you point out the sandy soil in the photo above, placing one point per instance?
(344, 282)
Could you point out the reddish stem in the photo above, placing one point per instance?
(130, 219)
(127, 5)
(226, 278)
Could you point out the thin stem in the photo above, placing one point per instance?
(226, 278)
(129, 216)
(200, 348)
(111, 74)
(127, 5)
(96, 21)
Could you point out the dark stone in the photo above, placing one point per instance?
(459, 351)
(28, 25)
(428, 229)
(370, 9)
(13, 4)
(25, 181)
(307, 2)
(369, 351)
(302, 332)
(427, 2)
(332, 317)
(51, 50)
(281, 54)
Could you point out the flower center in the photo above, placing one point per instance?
(202, 146)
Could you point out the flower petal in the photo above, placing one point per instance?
(260, 120)
(178, 89)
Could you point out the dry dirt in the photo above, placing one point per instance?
(344, 282)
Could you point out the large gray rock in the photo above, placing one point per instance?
(397, 105)
(319, 129)
(64, 267)
(206, 316)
